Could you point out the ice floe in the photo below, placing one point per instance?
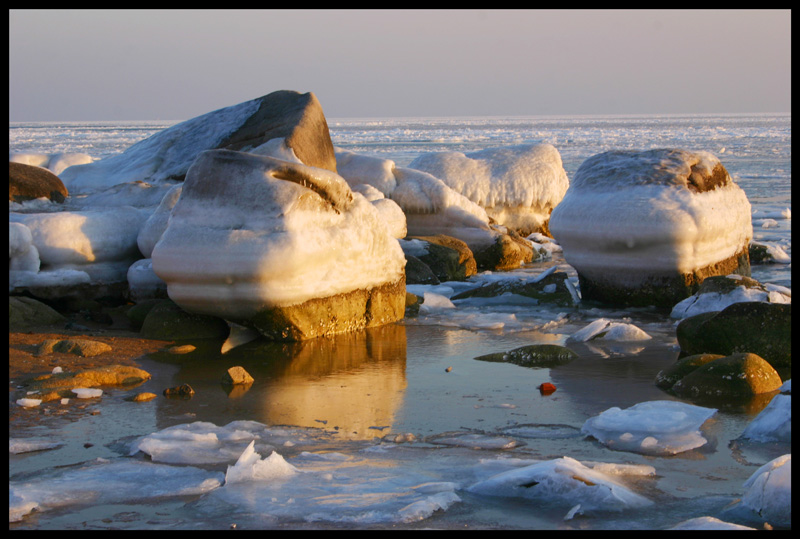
(652, 427)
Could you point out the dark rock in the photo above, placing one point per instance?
(24, 312)
(560, 296)
(757, 327)
(167, 321)
(418, 272)
(535, 355)
(27, 182)
(666, 378)
(184, 391)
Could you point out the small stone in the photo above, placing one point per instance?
(143, 397)
(546, 388)
(182, 349)
(237, 375)
(183, 391)
(448, 369)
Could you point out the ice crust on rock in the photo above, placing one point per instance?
(162, 156)
(431, 207)
(563, 480)
(717, 301)
(632, 214)
(242, 238)
(518, 186)
(652, 427)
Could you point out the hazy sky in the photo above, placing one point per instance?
(178, 64)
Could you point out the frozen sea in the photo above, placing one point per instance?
(332, 419)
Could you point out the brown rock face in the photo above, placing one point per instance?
(26, 182)
(346, 312)
(298, 118)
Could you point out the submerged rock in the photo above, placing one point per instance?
(79, 347)
(534, 355)
(647, 227)
(99, 376)
(666, 378)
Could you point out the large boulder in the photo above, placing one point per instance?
(281, 247)
(28, 182)
(296, 118)
(518, 186)
(757, 327)
(740, 375)
(647, 227)
(24, 312)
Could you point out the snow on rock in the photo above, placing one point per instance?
(168, 154)
(652, 428)
(604, 329)
(518, 186)
(712, 297)
(564, 480)
(430, 206)
(54, 162)
(644, 227)
(768, 491)
(116, 481)
(22, 254)
(251, 467)
(251, 233)
(84, 237)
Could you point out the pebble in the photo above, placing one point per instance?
(448, 369)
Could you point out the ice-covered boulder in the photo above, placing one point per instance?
(647, 227)
(718, 292)
(651, 428)
(432, 208)
(28, 182)
(518, 186)
(76, 248)
(168, 154)
(279, 246)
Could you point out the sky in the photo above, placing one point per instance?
(88, 65)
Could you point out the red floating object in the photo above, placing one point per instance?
(547, 388)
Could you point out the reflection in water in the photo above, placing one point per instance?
(352, 383)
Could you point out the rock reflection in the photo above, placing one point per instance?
(349, 384)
